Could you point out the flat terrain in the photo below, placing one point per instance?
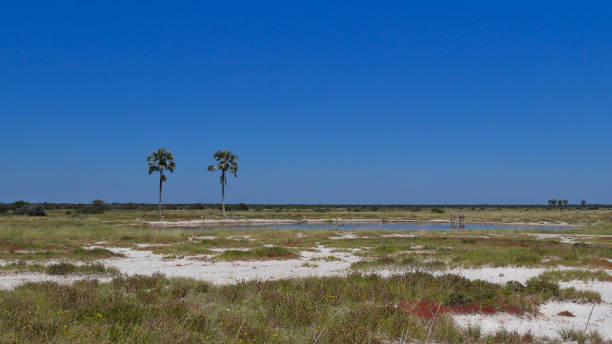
(115, 277)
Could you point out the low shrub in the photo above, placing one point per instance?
(60, 269)
(458, 297)
(136, 282)
(31, 210)
(541, 287)
(96, 207)
(19, 204)
(515, 286)
(242, 207)
(67, 268)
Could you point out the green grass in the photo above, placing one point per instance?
(67, 268)
(153, 309)
(260, 253)
(580, 337)
(59, 268)
(407, 261)
(327, 259)
(571, 275)
(472, 250)
(62, 237)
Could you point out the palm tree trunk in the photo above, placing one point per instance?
(223, 196)
(160, 193)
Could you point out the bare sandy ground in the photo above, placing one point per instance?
(223, 272)
(11, 280)
(548, 323)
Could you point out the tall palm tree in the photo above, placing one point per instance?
(160, 161)
(226, 161)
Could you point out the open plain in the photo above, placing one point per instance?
(124, 276)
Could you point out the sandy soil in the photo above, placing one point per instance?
(570, 238)
(223, 272)
(546, 324)
(10, 280)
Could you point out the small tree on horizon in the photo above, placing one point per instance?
(583, 203)
(226, 161)
(160, 161)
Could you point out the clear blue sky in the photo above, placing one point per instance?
(324, 102)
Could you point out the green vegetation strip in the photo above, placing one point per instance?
(60, 268)
(571, 275)
(355, 309)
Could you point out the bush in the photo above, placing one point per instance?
(515, 286)
(96, 207)
(437, 211)
(31, 210)
(136, 282)
(60, 269)
(242, 206)
(36, 210)
(458, 297)
(545, 288)
(19, 204)
(3, 209)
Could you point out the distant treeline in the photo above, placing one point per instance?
(99, 206)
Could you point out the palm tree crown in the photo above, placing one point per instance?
(226, 161)
(160, 161)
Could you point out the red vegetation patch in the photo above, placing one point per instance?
(472, 308)
(13, 248)
(566, 314)
(54, 248)
(526, 338)
(513, 310)
(292, 243)
(431, 310)
(427, 310)
(599, 263)
(606, 238)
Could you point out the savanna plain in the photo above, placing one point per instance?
(124, 276)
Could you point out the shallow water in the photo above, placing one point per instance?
(393, 226)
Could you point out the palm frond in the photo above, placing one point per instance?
(226, 160)
(161, 160)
